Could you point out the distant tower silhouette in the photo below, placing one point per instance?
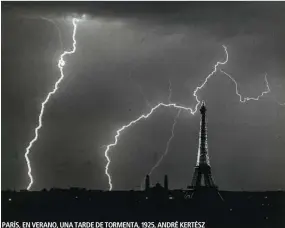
(147, 182)
(166, 182)
(203, 168)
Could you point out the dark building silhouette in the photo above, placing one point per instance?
(147, 182)
(203, 168)
(240, 209)
(156, 191)
(166, 182)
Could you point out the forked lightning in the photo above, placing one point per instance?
(173, 105)
(60, 65)
(145, 116)
(243, 100)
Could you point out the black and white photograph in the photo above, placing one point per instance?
(142, 114)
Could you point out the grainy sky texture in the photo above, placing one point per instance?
(124, 50)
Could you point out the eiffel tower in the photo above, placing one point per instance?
(203, 168)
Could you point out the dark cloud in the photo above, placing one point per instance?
(124, 50)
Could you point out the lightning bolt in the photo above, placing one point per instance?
(243, 100)
(167, 144)
(173, 105)
(118, 133)
(145, 116)
(206, 80)
(171, 137)
(61, 64)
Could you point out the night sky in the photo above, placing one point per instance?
(126, 54)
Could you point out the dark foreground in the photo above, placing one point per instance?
(223, 209)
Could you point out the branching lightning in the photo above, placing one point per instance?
(118, 133)
(243, 100)
(60, 65)
(173, 105)
(145, 116)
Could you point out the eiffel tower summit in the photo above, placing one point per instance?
(202, 170)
